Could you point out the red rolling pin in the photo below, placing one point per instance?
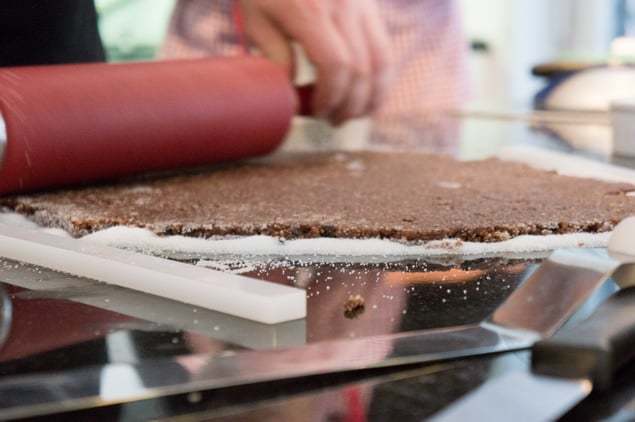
(71, 124)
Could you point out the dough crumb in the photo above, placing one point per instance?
(354, 306)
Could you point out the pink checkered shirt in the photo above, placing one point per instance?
(426, 36)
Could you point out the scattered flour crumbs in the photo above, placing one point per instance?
(144, 240)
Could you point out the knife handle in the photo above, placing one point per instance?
(595, 348)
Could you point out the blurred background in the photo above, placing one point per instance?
(508, 39)
(133, 29)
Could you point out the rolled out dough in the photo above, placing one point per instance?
(412, 197)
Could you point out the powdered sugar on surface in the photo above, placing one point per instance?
(17, 220)
(266, 246)
(140, 239)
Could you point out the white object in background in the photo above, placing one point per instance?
(593, 89)
(567, 164)
(622, 50)
(623, 122)
(312, 133)
(622, 241)
(232, 294)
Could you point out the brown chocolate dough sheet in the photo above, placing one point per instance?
(401, 196)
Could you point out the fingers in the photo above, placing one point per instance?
(332, 60)
(382, 64)
(273, 43)
(357, 98)
(311, 25)
(327, 51)
(346, 40)
(371, 71)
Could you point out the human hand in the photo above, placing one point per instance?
(346, 40)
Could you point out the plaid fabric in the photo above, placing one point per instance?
(201, 28)
(426, 36)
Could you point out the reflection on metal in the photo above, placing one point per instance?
(522, 394)
(553, 293)
(539, 308)
(43, 394)
(6, 316)
(559, 377)
(625, 275)
(3, 138)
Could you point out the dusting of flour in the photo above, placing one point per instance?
(135, 238)
(148, 242)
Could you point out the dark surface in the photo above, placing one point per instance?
(406, 394)
(615, 404)
(37, 32)
(409, 393)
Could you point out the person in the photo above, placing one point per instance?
(392, 59)
(37, 32)
(385, 58)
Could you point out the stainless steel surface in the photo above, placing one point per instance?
(406, 395)
(3, 138)
(6, 316)
(517, 394)
(564, 369)
(513, 327)
(228, 365)
(554, 292)
(42, 394)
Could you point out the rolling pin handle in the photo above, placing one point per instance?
(596, 348)
(305, 100)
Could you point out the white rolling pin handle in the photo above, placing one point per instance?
(232, 294)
